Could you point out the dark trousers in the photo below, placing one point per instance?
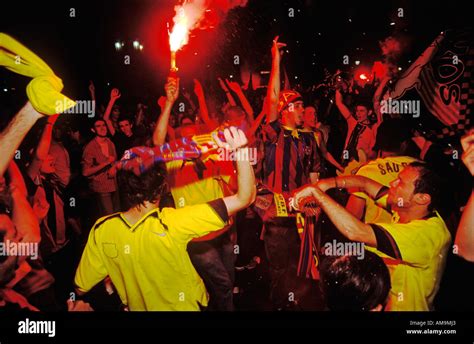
(214, 261)
(282, 245)
(107, 202)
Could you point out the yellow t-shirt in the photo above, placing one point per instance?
(188, 188)
(415, 254)
(384, 171)
(148, 262)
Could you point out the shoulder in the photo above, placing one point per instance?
(103, 222)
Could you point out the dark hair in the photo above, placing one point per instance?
(428, 182)
(352, 284)
(186, 116)
(94, 121)
(139, 189)
(124, 118)
(364, 103)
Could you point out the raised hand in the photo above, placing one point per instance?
(223, 85)
(115, 94)
(233, 85)
(172, 89)
(234, 139)
(467, 143)
(198, 88)
(161, 102)
(276, 48)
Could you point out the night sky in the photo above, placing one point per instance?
(81, 48)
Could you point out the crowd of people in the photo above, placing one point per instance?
(121, 226)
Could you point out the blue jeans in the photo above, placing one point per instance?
(214, 261)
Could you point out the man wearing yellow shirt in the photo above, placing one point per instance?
(414, 245)
(390, 146)
(143, 249)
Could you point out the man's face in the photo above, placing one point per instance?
(126, 128)
(310, 116)
(100, 128)
(294, 114)
(402, 189)
(361, 113)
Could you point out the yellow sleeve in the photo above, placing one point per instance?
(91, 269)
(195, 221)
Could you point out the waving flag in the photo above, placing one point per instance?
(443, 76)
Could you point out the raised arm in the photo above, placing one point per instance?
(227, 92)
(378, 98)
(465, 234)
(234, 86)
(172, 92)
(237, 142)
(341, 106)
(273, 90)
(14, 133)
(42, 151)
(45, 141)
(23, 216)
(199, 92)
(92, 92)
(114, 95)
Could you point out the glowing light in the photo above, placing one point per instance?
(136, 44)
(141, 47)
(357, 63)
(363, 76)
(118, 45)
(187, 18)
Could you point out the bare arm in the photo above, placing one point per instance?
(202, 105)
(227, 93)
(42, 150)
(256, 123)
(234, 86)
(236, 140)
(346, 223)
(341, 106)
(114, 95)
(172, 91)
(23, 216)
(465, 234)
(378, 98)
(92, 92)
(356, 206)
(14, 133)
(273, 90)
